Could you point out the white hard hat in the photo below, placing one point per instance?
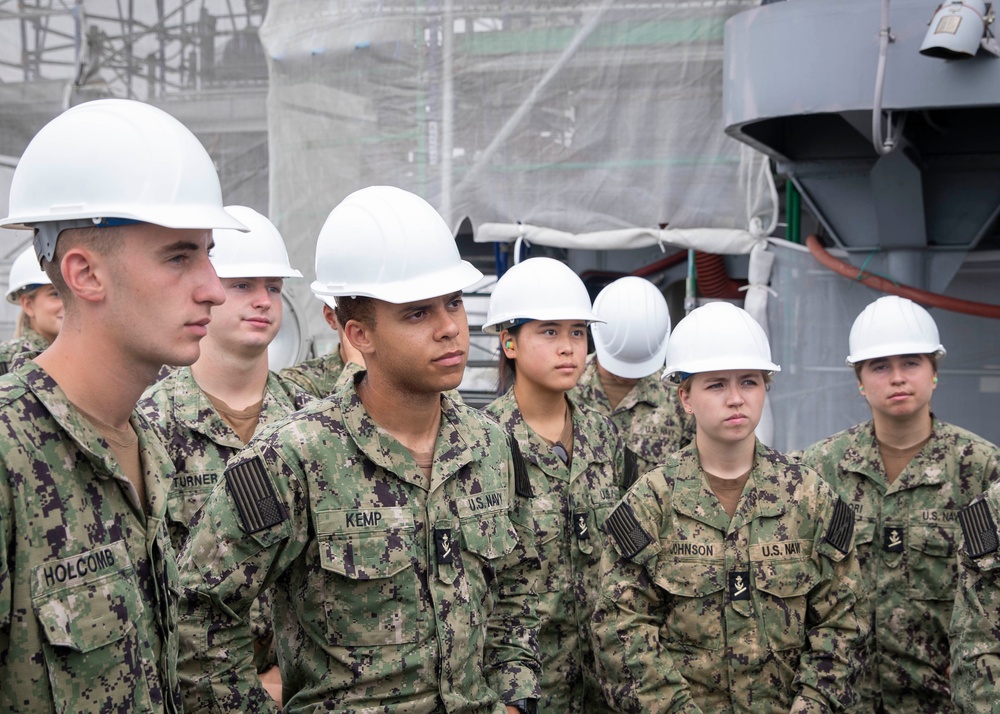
(632, 342)
(390, 244)
(114, 160)
(717, 336)
(24, 273)
(537, 289)
(258, 254)
(893, 325)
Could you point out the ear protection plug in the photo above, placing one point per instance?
(509, 344)
(935, 379)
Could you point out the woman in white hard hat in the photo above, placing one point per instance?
(623, 379)
(540, 309)
(41, 310)
(906, 475)
(728, 582)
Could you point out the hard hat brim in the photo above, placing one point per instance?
(453, 279)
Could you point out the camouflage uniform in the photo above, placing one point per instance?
(13, 353)
(200, 443)
(388, 597)
(698, 612)
(570, 504)
(975, 621)
(321, 376)
(87, 619)
(651, 419)
(907, 539)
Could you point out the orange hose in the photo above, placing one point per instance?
(968, 307)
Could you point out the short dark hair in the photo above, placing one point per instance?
(360, 308)
(103, 241)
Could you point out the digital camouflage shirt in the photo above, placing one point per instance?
(975, 620)
(760, 613)
(87, 579)
(388, 597)
(569, 507)
(650, 418)
(321, 376)
(907, 536)
(199, 443)
(13, 353)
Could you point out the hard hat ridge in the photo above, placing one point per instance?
(261, 253)
(715, 337)
(632, 340)
(893, 325)
(386, 243)
(538, 289)
(114, 159)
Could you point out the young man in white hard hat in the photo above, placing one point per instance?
(906, 475)
(575, 459)
(729, 580)
(622, 379)
(41, 311)
(123, 200)
(392, 521)
(205, 413)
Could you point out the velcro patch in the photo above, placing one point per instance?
(979, 529)
(841, 528)
(522, 482)
(443, 545)
(250, 488)
(739, 585)
(631, 474)
(624, 528)
(580, 526)
(892, 539)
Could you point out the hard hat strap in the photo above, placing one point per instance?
(47, 233)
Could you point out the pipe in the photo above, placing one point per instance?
(967, 307)
(713, 278)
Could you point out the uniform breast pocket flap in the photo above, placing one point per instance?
(694, 594)
(933, 562)
(784, 589)
(88, 600)
(371, 587)
(489, 535)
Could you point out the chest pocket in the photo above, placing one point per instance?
(548, 528)
(694, 593)
(188, 493)
(371, 581)
(87, 608)
(600, 503)
(933, 562)
(783, 588)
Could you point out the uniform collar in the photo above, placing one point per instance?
(155, 462)
(193, 410)
(33, 341)
(536, 450)
(646, 390)
(862, 456)
(455, 446)
(694, 498)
